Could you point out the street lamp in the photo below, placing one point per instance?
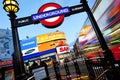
(11, 6)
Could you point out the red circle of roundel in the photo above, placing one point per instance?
(54, 23)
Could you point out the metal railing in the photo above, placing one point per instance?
(102, 74)
(68, 70)
(99, 69)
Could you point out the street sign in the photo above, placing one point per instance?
(52, 11)
(76, 9)
(23, 21)
(50, 15)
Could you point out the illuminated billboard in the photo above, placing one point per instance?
(86, 34)
(51, 45)
(6, 47)
(50, 36)
(85, 30)
(62, 49)
(106, 19)
(42, 45)
(46, 46)
(28, 46)
(110, 16)
(107, 15)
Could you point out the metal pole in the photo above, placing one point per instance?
(67, 71)
(107, 52)
(57, 70)
(77, 69)
(18, 63)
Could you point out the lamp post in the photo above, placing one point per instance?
(11, 6)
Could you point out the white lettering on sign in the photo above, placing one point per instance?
(77, 8)
(28, 43)
(23, 21)
(49, 14)
(62, 49)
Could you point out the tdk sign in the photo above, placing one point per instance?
(49, 14)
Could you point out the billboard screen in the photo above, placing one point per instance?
(29, 46)
(6, 48)
(50, 36)
(110, 16)
(30, 49)
(42, 45)
(51, 45)
(46, 46)
(62, 49)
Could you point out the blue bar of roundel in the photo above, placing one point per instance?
(39, 54)
(39, 16)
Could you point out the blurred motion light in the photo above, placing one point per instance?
(10, 6)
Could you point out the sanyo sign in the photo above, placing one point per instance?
(62, 49)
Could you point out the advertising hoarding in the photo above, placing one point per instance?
(85, 30)
(42, 45)
(6, 47)
(50, 36)
(86, 34)
(46, 46)
(30, 49)
(29, 46)
(110, 16)
(51, 45)
(38, 54)
(62, 49)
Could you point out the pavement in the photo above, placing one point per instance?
(72, 76)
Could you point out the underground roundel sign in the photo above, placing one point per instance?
(53, 14)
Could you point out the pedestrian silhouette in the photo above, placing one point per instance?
(34, 64)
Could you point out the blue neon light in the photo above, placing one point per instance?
(49, 14)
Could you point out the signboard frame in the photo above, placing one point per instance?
(62, 49)
(29, 20)
(39, 72)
